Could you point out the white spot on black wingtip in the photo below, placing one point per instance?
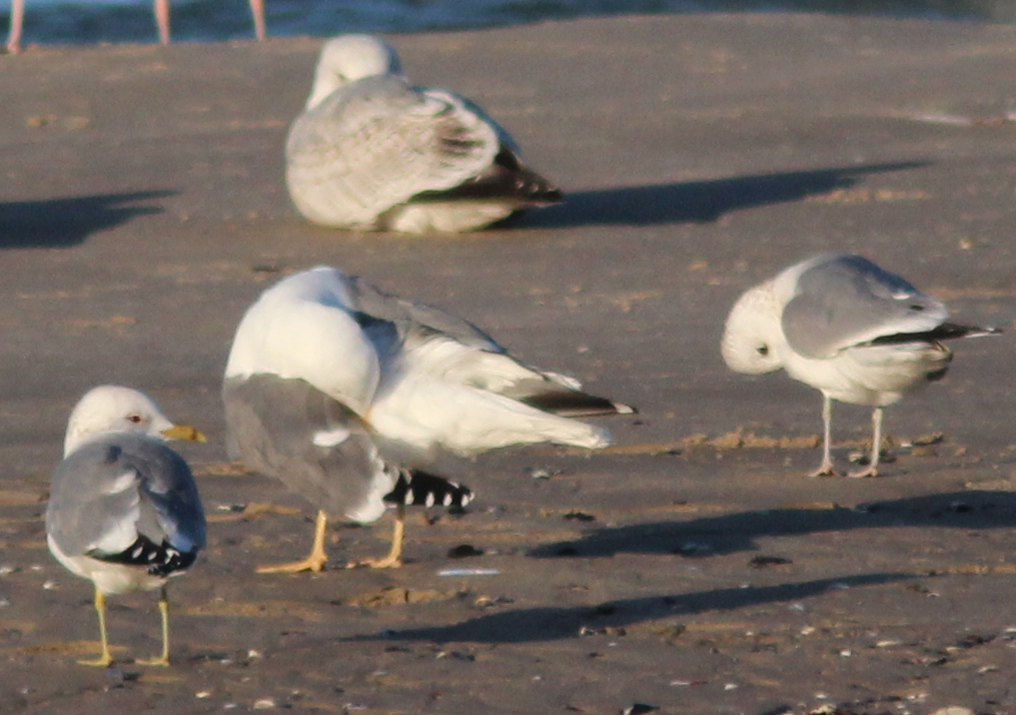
(408, 499)
(137, 552)
(430, 499)
(447, 500)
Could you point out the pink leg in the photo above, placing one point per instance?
(826, 468)
(17, 21)
(257, 9)
(876, 444)
(162, 20)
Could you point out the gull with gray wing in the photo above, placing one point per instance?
(371, 152)
(124, 511)
(345, 393)
(848, 328)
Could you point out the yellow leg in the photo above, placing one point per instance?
(105, 659)
(317, 559)
(394, 558)
(164, 611)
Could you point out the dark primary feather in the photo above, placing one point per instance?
(160, 559)
(418, 488)
(570, 403)
(505, 178)
(946, 331)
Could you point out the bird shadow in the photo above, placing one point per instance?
(62, 223)
(696, 201)
(556, 623)
(975, 509)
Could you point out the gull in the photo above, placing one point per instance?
(848, 328)
(345, 393)
(124, 511)
(371, 152)
(257, 8)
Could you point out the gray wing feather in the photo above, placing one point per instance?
(378, 142)
(409, 317)
(486, 366)
(848, 301)
(272, 423)
(112, 490)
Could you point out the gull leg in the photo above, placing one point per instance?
(826, 468)
(394, 558)
(17, 22)
(162, 20)
(257, 10)
(315, 561)
(876, 444)
(105, 659)
(164, 611)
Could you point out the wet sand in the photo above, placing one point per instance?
(692, 567)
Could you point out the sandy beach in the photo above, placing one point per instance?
(692, 567)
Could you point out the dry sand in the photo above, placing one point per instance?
(693, 568)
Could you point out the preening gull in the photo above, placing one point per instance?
(344, 392)
(846, 327)
(257, 8)
(124, 511)
(372, 152)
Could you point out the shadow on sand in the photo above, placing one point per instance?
(738, 532)
(555, 623)
(720, 535)
(62, 223)
(696, 201)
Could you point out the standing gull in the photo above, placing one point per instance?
(332, 386)
(372, 152)
(124, 511)
(257, 8)
(846, 327)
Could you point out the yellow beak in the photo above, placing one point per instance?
(184, 432)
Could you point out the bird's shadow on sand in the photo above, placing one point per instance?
(731, 533)
(555, 623)
(62, 223)
(699, 538)
(697, 201)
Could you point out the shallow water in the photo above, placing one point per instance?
(88, 21)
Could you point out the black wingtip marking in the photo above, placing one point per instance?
(416, 488)
(160, 559)
(576, 404)
(945, 331)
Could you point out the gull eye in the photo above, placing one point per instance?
(917, 307)
(136, 419)
(762, 350)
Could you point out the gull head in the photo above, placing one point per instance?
(109, 409)
(752, 337)
(349, 58)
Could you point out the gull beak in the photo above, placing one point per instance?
(184, 432)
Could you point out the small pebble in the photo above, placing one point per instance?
(264, 704)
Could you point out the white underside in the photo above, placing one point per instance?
(876, 376)
(451, 216)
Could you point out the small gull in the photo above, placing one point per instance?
(333, 386)
(372, 152)
(848, 328)
(124, 511)
(257, 8)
